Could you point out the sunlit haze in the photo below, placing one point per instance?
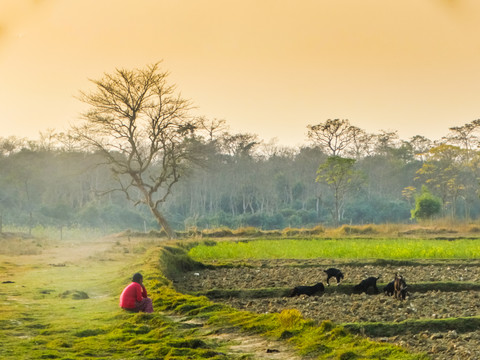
(268, 67)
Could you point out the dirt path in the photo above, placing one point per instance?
(240, 344)
(259, 347)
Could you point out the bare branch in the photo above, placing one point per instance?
(141, 127)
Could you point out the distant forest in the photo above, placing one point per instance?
(342, 175)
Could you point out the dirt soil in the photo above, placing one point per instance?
(344, 307)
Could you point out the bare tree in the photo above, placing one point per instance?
(334, 136)
(213, 129)
(465, 136)
(143, 130)
(387, 140)
(362, 143)
(420, 146)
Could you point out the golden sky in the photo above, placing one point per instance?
(268, 67)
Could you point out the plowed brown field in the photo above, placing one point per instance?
(457, 296)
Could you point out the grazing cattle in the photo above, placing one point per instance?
(307, 290)
(399, 287)
(389, 289)
(332, 272)
(367, 283)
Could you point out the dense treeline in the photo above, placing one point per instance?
(343, 175)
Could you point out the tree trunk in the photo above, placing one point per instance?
(163, 223)
(30, 224)
(337, 209)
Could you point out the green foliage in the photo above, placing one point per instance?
(336, 171)
(174, 260)
(339, 174)
(376, 209)
(59, 214)
(55, 186)
(426, 205)
(89, 332)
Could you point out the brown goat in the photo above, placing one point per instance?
(399, 287)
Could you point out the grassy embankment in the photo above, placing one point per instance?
(61, 302)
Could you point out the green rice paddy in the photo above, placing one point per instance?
(338, 248)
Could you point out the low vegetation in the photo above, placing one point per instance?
(439, 316)
(338, 249)
(62, 303)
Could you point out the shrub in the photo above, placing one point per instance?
(426, 205)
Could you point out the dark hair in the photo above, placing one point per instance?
(137, 277)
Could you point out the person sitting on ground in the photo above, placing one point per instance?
(134, 297)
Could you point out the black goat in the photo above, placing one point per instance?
(307, 290)
(389, 289)
(333, 272)
(365, 284)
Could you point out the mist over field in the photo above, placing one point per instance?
(239, 180)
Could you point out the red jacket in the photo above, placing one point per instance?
(132, 293)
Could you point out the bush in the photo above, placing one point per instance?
(426, 205)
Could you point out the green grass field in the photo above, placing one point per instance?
(338, 249)
(61, 302)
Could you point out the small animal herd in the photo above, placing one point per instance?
(397, 287)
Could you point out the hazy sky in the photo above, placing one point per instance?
(268, 67)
